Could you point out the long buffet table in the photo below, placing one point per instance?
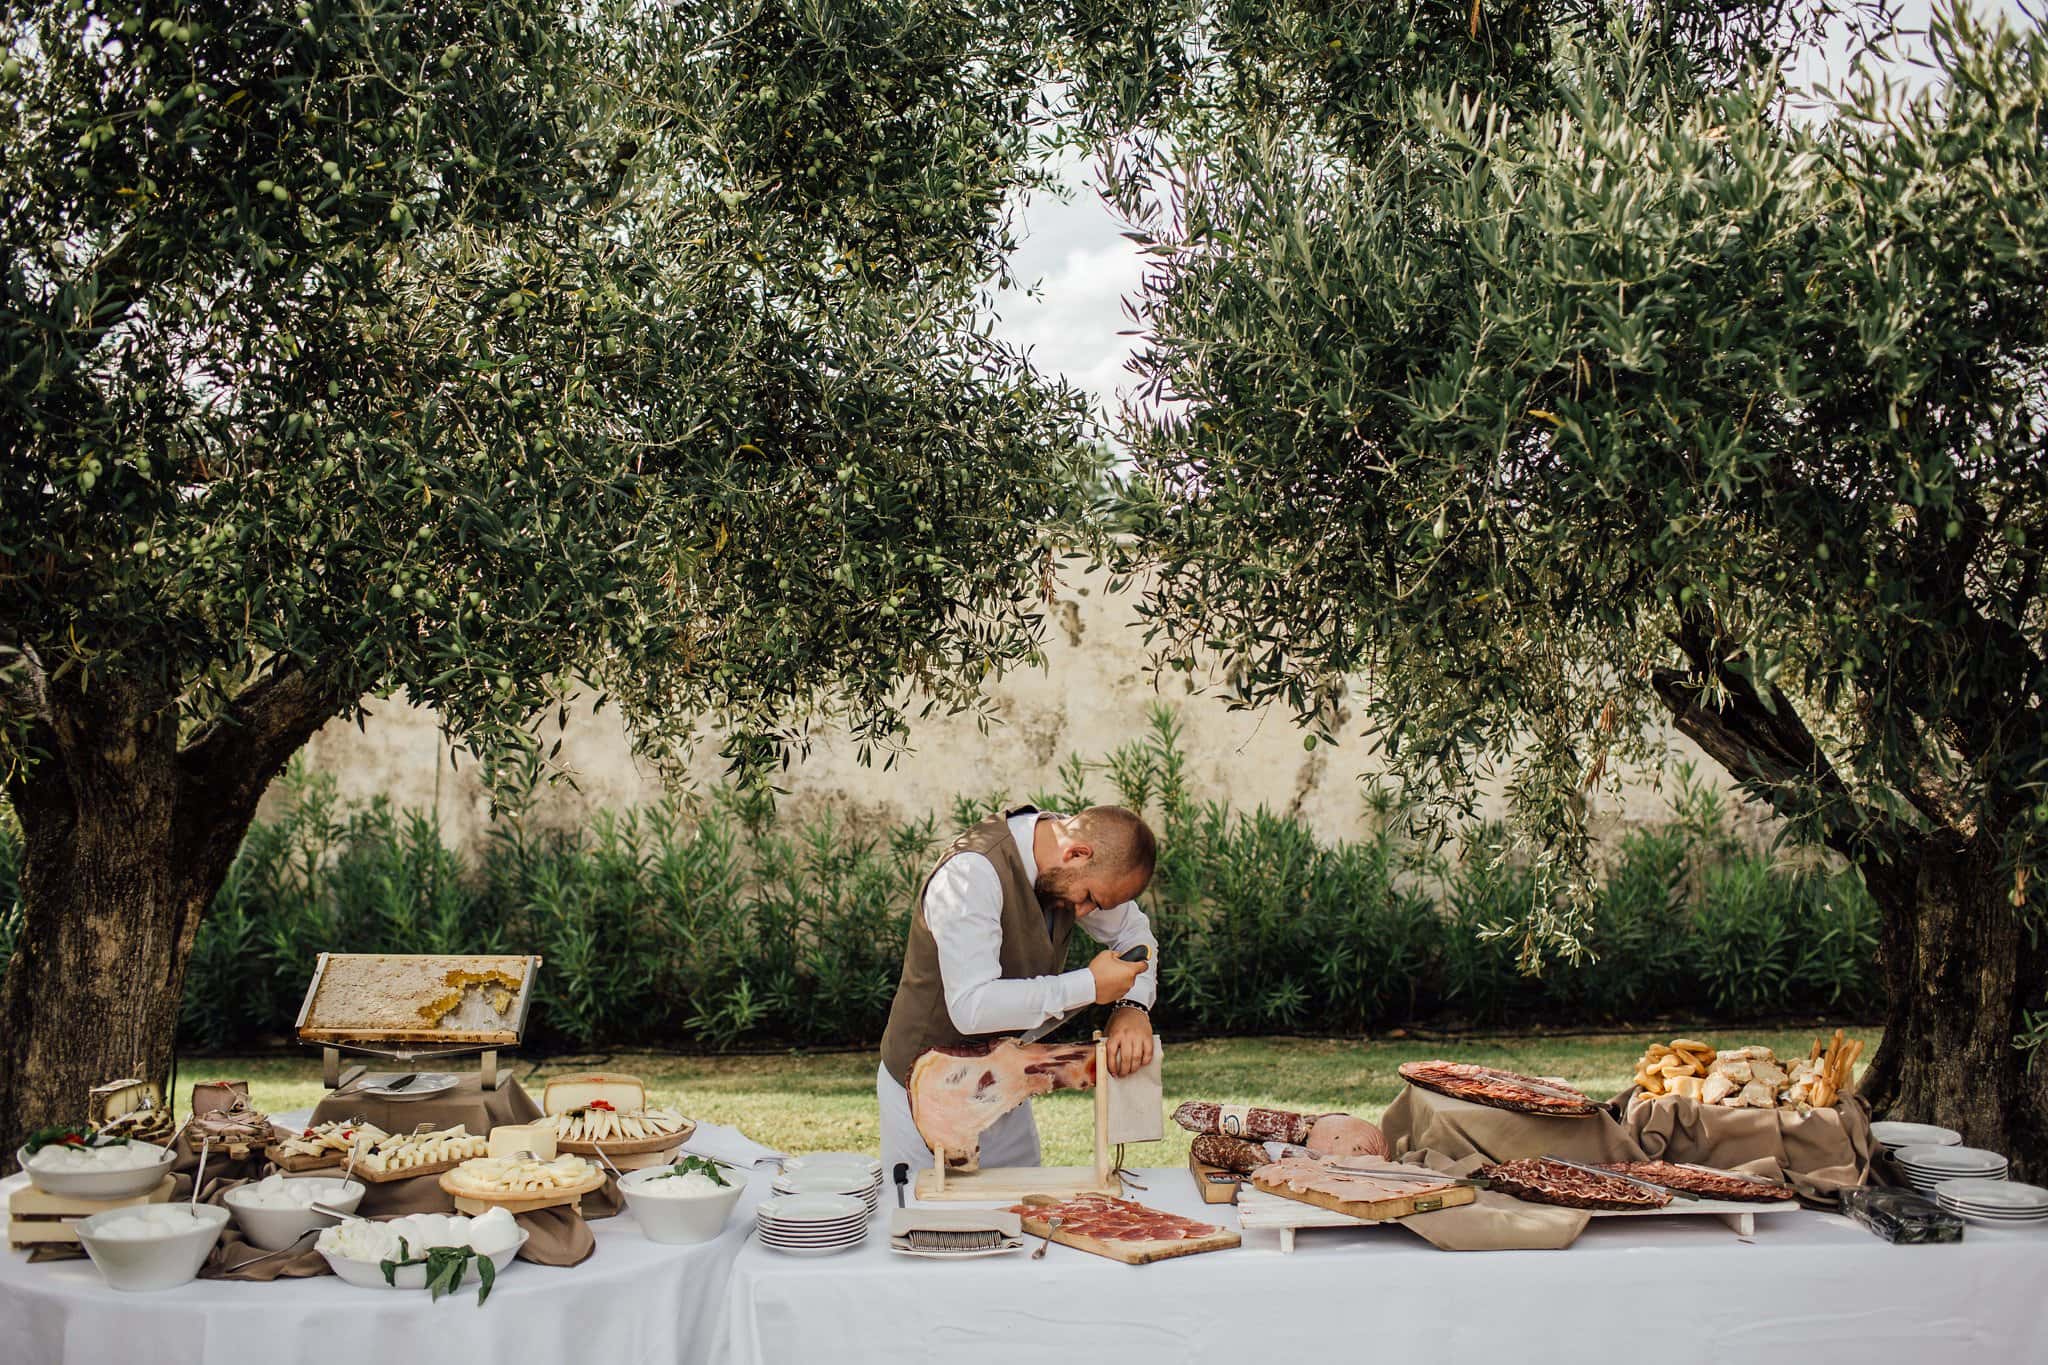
(1808, 1287)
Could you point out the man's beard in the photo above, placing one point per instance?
(1051, 890)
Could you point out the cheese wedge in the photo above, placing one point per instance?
(623, 1093)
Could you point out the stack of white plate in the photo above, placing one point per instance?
(1993, 1202)
(833, 1173)
(1926, 1167)
(1892, 1135)
(811, 1224)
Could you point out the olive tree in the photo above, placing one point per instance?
(1552, 369)
(488, 350)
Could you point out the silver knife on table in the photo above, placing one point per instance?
(1137, 954)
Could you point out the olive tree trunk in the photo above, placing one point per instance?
(126, 839)
(1960, 970)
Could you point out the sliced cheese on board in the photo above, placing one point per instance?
(507, 1139)
(623, 1093)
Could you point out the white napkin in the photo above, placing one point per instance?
(729, 1145)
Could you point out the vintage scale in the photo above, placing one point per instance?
(1127, 1109)
(415, 1008)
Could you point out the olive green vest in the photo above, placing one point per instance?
(918, 1019)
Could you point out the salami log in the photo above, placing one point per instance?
(1323, 1134)
(1231, 1154)
(1244, 1121)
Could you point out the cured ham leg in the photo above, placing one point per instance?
(957, 1092)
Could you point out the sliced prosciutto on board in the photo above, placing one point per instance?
(1115, 1220)
(957, 1092)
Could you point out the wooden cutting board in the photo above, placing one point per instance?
(1216, 1185)
(1371, 1210)
(1132, 1252)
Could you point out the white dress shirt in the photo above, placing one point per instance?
(963, 907)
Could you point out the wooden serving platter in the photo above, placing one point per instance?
(36, 1218)
(629, 1146)
(1370, 1210)
(1216, 1185)
(1128, 1251)
(524, 1203)
(1013, 1184)
(299, 1165)
(386, 1177)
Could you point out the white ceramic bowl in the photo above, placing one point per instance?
(275, 1229)
(156, 1263)
(370, 1274)
(102, 1184)
(679, 1221)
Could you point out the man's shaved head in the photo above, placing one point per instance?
(1123, 843)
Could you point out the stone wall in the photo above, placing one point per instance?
(1091, 697)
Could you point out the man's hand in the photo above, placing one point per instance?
(1114, 977)
(1129, 1040)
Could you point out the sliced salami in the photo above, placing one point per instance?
(1704, 1181)
(1497, 1089)
(1538, 1180)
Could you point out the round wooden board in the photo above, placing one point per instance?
(470, 1202)
(629, 1147)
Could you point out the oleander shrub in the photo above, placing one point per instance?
(722, 922)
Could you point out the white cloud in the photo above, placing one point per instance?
(1074, 253)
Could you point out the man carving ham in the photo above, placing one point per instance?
(988, 940)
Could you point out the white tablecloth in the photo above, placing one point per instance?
(1809, 1288)
(633, 1301)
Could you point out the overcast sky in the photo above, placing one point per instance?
(1074, 253)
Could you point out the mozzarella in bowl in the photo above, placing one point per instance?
(152, 1224)
(689, 1185)
(276, 1192)
(61, 1159)
(489, 1234)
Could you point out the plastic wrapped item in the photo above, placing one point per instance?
(1903, 1217)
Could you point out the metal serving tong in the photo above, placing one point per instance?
(1671, 1190)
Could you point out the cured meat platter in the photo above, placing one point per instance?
(1345, 1186)
(1544, 1181)
(1497, 1089)
(1706, 1182)
(1120, 1229)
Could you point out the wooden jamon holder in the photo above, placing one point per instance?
(1127, 1109)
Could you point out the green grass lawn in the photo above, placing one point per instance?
(810, 1102)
